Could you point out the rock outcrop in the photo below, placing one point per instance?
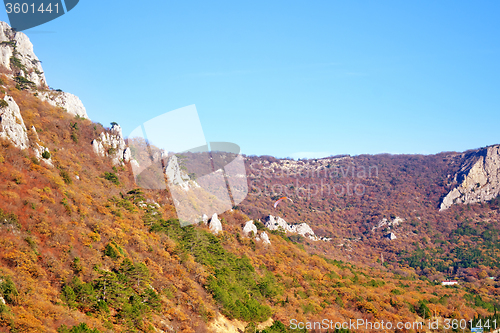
(12, 128)
(265, 238)
(16, 54)
(388, 223)
(303, 229)
(69, 102)
(12, 125)
(113, 145)
(42, 153)
(250, 229)
(478, 179)
(215, 225)
(175, 174)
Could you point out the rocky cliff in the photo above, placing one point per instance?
(175, 175)
(112, 144)
(69, 102)
(478, 178)
(17, 56)
(11, 123)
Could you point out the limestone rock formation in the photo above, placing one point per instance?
(303, 229)
(388, 223)
(478, 179)
(16, 54)
(12, 128)
(265, 238)
(71, 103)
(215, 225)
(12, 125)
(250, 229)
(175, 174)
(113, 145)
(39, 150)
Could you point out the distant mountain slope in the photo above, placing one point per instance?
(347, 199)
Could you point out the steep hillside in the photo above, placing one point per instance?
(83, 248)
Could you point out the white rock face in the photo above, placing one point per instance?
(39, 150)
(250, 229)
(265, 238)
(478, 178)
(303, 229)
(385, 222)
(112, 144)
(275, 223)
(12, 125)
(127, 154)
(204, 218)
(18, 45)
(71, 103)
(175, 175)
(215, 225)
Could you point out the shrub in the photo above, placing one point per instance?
(422, 310)
(74, 136)
(3, 103)
(82, 328)
(10, 43)
(16, 62)
(112, 177)
(46, 154)
(65, 176)
(111, 251)
(24, 83)
(8, 290)
(9, 219)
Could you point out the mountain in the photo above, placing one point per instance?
(84, 248)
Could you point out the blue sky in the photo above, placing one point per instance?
(288, 78)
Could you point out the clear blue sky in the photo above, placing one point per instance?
(288, 78)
